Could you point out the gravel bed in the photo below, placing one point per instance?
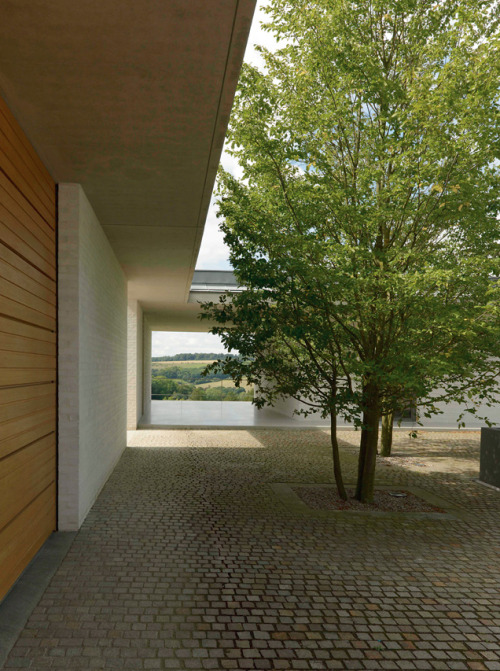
(327, 498)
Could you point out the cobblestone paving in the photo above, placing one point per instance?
(190, 560)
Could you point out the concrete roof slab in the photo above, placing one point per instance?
(130, 99)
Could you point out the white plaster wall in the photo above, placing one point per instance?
(135, 329)
(92, 356)
(451, 411)
(286, 406)
(447, 420)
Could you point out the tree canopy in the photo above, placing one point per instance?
(365, 228)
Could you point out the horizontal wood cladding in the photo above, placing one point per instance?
(17, 376)
(24, 147)
(18, 209)
(15, 270)
(25, 534)
(25, 313)
(32, 428)
(15, 360)
(14, 289)
(25, 171)
(28, 356)
(26, 474)
(23, 401)
(16, 343)
(13, 327)
(13, 430)
(22, 179)
(22, 241)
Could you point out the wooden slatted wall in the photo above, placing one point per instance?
(27, 351)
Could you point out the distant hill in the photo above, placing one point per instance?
(197, 356)
(179, 377)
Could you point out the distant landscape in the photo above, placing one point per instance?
(178, 378)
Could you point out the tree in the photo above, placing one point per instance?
(365, 226)
(198, 394)
(161, 387)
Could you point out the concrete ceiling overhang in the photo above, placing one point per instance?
(207, 286)
(131, 99)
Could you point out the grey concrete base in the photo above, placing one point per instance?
(485, 484)
(16, 608)
(218, 415)
(489, 467)
(244, 415)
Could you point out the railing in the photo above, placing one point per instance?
(221, 399)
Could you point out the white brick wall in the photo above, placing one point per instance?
(147, 338)
(92, 357)
(68, 345)
(135, 329)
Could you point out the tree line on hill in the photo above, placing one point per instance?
(197, 356)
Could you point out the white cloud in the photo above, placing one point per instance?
(231, 164)
(214, 255)
(176, 343)
(259, 36)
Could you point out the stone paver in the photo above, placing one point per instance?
(190, 560)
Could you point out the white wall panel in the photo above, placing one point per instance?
(135, 364)
(93, 353)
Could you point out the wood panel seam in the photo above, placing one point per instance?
(23, 321)
(24, 258)
(35, 207)
(11, 521)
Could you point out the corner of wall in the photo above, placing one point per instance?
(68, 349)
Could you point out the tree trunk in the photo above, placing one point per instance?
(368, 447)
(386, 436)
(362, 456)
(337, 468)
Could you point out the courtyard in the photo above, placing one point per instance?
(192, 559)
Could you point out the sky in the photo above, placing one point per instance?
(174, 342)
(214, 254)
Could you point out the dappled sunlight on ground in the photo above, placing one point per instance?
(433, 453)
(436, 452)
(433, 464)
(195, 438)
(430, 452)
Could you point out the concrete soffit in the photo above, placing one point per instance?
(131, 100)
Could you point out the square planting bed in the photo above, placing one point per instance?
(323, 499)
